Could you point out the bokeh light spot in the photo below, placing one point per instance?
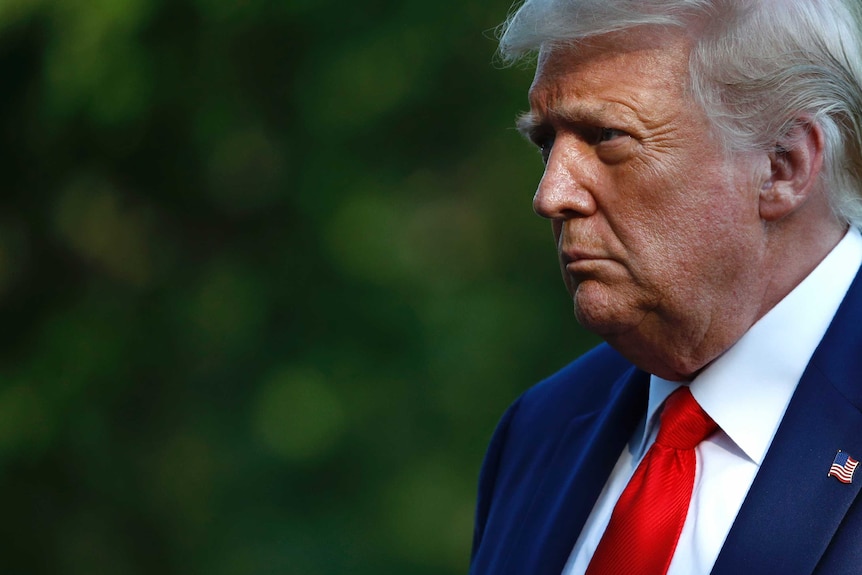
(93, 222)
(297, 415)
(24, 422)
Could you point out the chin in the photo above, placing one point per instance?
(603, 319)
(607, 307)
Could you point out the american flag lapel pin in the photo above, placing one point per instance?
(843, 467)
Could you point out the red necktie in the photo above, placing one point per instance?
(648, 518)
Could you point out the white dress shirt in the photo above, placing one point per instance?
(746, 391)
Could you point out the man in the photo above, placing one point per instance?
(703, 170)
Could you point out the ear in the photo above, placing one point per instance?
(795, 166)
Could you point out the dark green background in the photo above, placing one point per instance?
(269, 275)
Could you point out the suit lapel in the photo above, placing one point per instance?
(793, 508)
(574, 479)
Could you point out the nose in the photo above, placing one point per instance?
(564, 190)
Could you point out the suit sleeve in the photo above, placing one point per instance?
(488, 475)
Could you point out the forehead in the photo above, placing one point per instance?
(629, 72)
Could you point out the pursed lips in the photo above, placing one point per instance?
(574, 256)
(579, 263)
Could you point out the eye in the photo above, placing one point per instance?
(606, 135)
(545, 146)
(613, 146)
(544, 140)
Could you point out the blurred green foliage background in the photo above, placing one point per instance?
(269, 275)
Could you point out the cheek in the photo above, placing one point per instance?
(678, 220)
(694, 246)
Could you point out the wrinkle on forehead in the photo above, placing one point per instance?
(571, 86)
(604, 89)
(555, 58)
(630, 40)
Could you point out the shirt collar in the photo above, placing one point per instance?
(746, 390)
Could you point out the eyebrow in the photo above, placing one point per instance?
(528, 125)
(533, 125)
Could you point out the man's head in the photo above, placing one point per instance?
(755, 65)
(693, 157)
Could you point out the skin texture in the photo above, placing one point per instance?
(669, 248)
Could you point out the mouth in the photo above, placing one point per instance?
(582, 265)
(575, 257)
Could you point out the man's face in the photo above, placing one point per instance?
(657, 231)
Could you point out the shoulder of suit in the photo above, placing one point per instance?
(584, 386)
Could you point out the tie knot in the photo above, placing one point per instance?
(684, 423)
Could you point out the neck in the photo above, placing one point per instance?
(677, 348)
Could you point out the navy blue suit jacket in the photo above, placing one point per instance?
(557, 444)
